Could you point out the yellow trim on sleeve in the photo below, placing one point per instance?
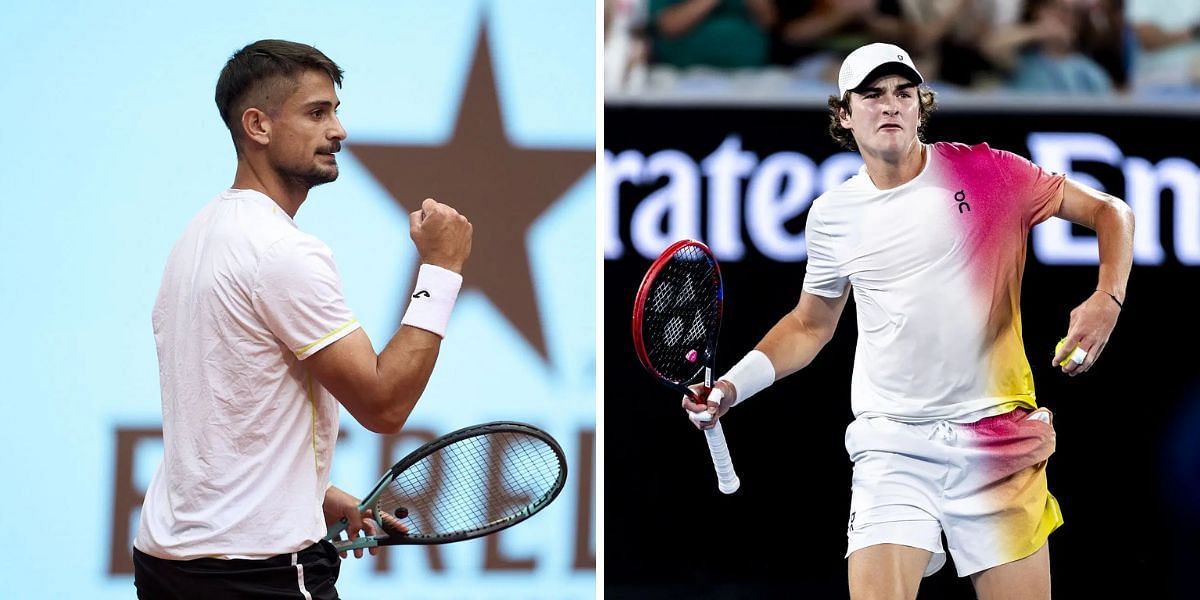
(343, 326)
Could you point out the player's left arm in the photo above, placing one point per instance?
(1093, 321)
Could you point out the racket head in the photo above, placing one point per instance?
(470, 483)
(677, 314)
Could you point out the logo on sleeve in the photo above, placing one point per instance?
(421, 294)
(961, 198)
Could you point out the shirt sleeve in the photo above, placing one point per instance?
(298, 294)
(1041, 192)
(821, 276)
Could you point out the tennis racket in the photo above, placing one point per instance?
(676, 319)
(466, 484)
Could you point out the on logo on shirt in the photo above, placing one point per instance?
(961, 197)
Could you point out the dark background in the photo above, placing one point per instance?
(1127, 466)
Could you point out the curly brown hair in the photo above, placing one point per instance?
(845, 138)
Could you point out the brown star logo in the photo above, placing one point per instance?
(501, 188)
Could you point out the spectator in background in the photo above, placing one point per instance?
(946, 36)
(1042, 52)
(929, 24)
(809, 27)
(626, 48)
(1167, 51)
(814, 36)
(1105, 36)
(718, 33)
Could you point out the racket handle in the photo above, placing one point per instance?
(365, 541)
(337, 528)
(727, 479)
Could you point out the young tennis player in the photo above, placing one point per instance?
(948, 439)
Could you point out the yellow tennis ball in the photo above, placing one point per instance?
(1059, 347)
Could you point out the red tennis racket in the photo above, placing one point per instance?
(676, 319)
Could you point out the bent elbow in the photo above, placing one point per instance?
(385, 424)
(1121, 210)
(385, 416)
(389, 421)
(1127, 212)
(374, 427)
(392, 414)
(383, 427)
(1127, 216)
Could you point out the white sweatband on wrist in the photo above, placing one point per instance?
(432, 299)
(751, 375)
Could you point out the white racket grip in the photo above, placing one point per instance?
(727, 479)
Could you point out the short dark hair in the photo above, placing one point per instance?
(845, 138)
(262, 73)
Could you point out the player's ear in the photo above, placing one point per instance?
(256, 125)
(844, 114)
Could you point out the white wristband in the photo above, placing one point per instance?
(751, 375)
(432, 299)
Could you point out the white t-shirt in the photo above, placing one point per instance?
(936, 268)
(248, 433)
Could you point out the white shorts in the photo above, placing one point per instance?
(983, 484)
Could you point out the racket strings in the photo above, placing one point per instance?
(524, 473)
(425, 489)
(533, 469)
(475, 483)
(679, 323)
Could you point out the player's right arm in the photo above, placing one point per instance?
(796, 339)
(380, 391)
(789, 346)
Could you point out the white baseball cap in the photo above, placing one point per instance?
(862, 64)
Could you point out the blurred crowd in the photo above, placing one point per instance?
(1059, 47)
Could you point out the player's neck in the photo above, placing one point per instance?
(288, 195)
(890, 171)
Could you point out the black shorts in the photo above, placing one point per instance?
(309, 574)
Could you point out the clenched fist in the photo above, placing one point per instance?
(442, 236)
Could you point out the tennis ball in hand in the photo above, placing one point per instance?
(1074, 351)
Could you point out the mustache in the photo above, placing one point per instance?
(336, 147)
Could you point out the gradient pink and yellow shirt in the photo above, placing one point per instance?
(935, 265)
